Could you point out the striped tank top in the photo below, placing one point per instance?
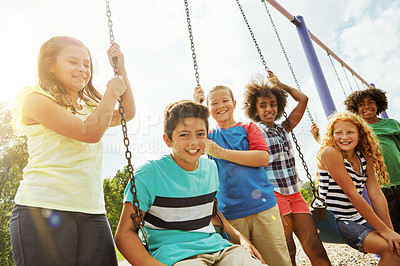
(333, 195)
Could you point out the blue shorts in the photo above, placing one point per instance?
(353, 233)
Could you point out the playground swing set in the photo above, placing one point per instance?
(324, 219)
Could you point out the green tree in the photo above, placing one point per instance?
(13, 158)
(307, 193)
(114, 195)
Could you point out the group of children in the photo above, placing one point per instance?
(250, 172)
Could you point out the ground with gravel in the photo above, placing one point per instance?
(339, 255)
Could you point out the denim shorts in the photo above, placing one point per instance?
(353, 233)
(49, 237)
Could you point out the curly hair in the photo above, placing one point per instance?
(379, 96)
(49, 82)
(259, 88)
(368, 143)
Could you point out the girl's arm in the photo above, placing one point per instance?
(128, 241)
(252, 158)
(128, 101)
(375, 194)
(40, 109)
(235, 237)
(297, 113)
(333, 161)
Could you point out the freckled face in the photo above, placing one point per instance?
(188, 142)
(267, 110)
(346, 136)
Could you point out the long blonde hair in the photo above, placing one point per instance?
(48, 81)
(368, 143)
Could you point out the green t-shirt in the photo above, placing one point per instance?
(388, 133)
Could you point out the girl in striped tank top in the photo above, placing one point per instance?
(348, 160)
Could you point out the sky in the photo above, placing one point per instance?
(154, 38)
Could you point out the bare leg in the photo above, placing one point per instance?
(306, 232)
(287, 222)
(374, 243)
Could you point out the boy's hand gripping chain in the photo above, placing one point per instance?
(128, 155)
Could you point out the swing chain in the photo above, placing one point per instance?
(355, 81)
(195, 66)
(345, 74)
(111, 33)
(303, 161)
(337, 75)
(128, 155)
(286, 57)
(252, 36)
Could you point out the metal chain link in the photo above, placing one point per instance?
(195, 66)
(111, 33)
(303, 161)
(337, 75)
(301, 156)
(355, 81)
(128, 155)
(252, 36)
(286, 57)
(345, 74)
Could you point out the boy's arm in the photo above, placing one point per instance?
(315, 133)
(297, 113)
(128, 241)
(235, 236)
(252, 158)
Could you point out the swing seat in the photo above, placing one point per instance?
(218, 230)
(326, 226)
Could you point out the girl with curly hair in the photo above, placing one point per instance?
(369, 104)
(348, 160)
(266, 104)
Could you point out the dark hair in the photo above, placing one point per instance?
(48, 81)
(379, 96)
(259, 88)
(177, 112)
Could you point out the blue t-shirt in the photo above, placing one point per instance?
(243, 190)
(178, 206)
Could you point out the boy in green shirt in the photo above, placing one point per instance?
(369, 104)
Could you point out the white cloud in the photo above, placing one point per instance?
(154, 38)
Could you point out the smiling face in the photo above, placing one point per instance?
(188, 142)
(267, 110)
(221, 107)
(72, 68)
(346, 136)
(367, 109)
